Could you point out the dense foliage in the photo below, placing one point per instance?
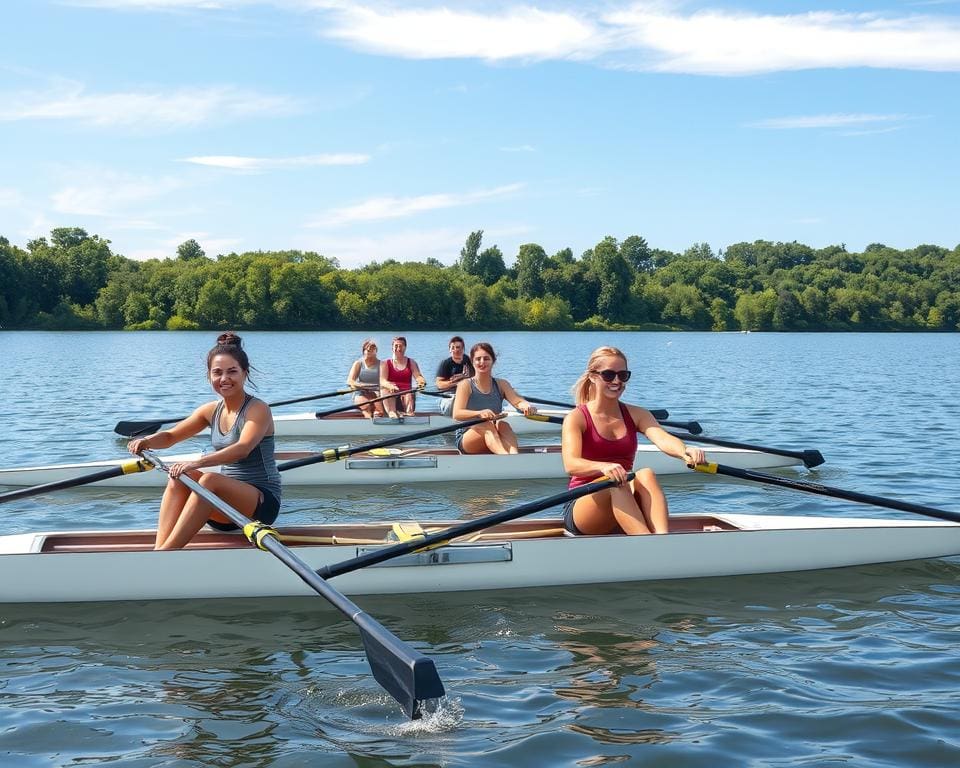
(74, 280)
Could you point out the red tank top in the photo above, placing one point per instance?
(402, 377)
(596, 447)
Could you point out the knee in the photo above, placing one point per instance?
(647, 477)
(207, 479)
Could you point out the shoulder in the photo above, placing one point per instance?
(575, 417)
(642, 418)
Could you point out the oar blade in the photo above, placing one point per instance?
(812, 458)
(407, 675)
(137, 428)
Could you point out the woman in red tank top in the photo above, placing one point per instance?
(600, 438)
(397, 375)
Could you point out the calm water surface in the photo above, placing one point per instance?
(855, 667)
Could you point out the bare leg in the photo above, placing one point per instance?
(409, 403)
(482, 438)
(391, 405)
(652, 501)
(508, 438)
(175, 495)
(241, 496)
(611, 511)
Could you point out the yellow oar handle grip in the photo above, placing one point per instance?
(335, 454)
(710, 467)
(537, 416)
(136, 465)
(256, 532)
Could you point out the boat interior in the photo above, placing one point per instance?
(412, 451)
(346, 535)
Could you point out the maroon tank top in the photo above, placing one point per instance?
(402, 377)
(596, 447)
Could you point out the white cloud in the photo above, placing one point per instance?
(240, 163)
(521, 32)
(380, 208)
(109, 193)
(839, 120)
(142, 109)
(167, 247)
(519, 148)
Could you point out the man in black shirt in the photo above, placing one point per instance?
(451, 371)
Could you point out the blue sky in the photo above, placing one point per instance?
(371, 130)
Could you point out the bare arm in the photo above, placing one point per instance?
(511, 396)
(352, 376)
(386, 385)
(670, 445)
(460, 412)
(195, 423)
(415, 370)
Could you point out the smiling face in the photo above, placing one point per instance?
(399, 347)
(370, 353)
(456, 351)
(614, 363)
(226, 375)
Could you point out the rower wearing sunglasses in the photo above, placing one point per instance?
(600, 438)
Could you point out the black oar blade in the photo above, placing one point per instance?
(812, 459)
(407, 675)
(137, 428)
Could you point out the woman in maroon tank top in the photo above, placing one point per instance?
(600, 438)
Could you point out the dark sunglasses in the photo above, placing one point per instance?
(608, 375)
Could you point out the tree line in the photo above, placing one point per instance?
(73, 280)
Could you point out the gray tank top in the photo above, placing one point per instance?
(259, 468)
(479, 401)
(369, 375)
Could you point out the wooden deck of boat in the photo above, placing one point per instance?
(136, 541)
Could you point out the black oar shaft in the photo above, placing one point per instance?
(345, 451)
(826, 490)
(147, 426)
(440, 538)
(127, 468)
(405, 673)
(657, 413)
(810, 458)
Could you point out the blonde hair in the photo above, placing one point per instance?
(583, 389)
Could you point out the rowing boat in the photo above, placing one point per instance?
(401, 465)
(80, 566)
(309, 424)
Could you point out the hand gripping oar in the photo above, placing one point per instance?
(345, 451)
(127, 468)
(658, 413)
(137, 428)
(810, 458)
(354, 406)
(405, 673)
(826, 490)
(440, 538)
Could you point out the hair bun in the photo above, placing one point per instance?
(229, 339)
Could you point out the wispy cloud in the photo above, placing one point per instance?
(176, 108)
(109, 193)
(254, 164)
(648, 36)
(519, 148)
(837, 120)
(443, 244)
(10, 197)
(380, 208)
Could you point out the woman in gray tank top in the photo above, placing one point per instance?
(241, 432)
(364, 377)
(482, 396)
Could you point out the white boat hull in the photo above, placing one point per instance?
(348, 424)
(403, 465)
(98, 566)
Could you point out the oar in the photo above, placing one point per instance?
(441, 538)
(658, 413)
(405, 673)
(127, 468)
(135, 428)
(810, 458)
(826, 490)
(345, 451)
(354, 406)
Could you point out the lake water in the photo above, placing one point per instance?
(854, 667)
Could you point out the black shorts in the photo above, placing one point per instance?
(266, 512)
(568, 522)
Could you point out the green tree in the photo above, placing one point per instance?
(531, 261)
(470, 251)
